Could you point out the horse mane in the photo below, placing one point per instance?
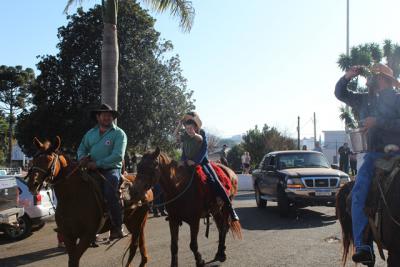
(177, 175)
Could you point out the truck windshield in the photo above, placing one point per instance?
(302, 160)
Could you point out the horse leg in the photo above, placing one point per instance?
(142, 244)
(222, 226)
(194, 231)
(174, 230)
(393, 259)
(70, 246)
(80, 248)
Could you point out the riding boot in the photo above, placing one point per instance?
(364, 256)
(232, 213)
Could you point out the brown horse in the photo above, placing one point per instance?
(184, 202)
(390, 217)
(135, 218)
(80, 208)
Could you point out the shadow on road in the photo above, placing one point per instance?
(31, 257)
(253, 218)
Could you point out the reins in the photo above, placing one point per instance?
(177, 196)
(387, 206)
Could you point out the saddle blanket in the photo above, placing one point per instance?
(223, 178)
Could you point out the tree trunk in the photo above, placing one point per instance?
(10, 135)
(109, 67)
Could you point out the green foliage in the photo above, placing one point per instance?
(182, 9)
(260, 142)
(152, 91)
(3, 139)
(14, 95)
(235, 157)
(14, 83)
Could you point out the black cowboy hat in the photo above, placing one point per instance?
(104, 108)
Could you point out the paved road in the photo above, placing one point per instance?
(309, 237)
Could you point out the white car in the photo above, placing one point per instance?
(38, 209)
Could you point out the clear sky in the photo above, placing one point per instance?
(248, 62)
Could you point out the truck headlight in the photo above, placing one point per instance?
(294, 183)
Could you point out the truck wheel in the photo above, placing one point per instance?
(261, 203)
(283, 203)
(22, 231)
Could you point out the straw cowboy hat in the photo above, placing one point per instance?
(194, 117)
(382, 69)
(104, 108)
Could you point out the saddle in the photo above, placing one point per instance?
(96, 180)
(386, 170)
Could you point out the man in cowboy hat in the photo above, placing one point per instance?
(379, 110)
(105, 146)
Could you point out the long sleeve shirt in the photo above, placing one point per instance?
(194, 150)
(384, 106)
(107, 150)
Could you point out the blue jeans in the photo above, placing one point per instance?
(111, 195)
(216, 185)
(359, 197)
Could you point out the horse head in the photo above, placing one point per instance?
(148, 174)
(46, 164)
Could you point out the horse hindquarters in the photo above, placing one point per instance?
(345, 219)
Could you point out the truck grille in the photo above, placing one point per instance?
(319, 182)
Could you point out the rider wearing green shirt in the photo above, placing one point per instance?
(105, 146)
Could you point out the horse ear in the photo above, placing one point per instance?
(57, 143)
(37, 143)
(156, 153)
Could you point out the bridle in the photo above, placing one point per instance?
(49, 174)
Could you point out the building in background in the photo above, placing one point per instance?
(331, 142)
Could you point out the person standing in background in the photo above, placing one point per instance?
(223, 156)
(246, 162)
(353, 163)
(344, 152)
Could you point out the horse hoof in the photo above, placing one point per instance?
(220, 257)
(201, 263)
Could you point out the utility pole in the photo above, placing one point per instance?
(315, 130)
(298, 132)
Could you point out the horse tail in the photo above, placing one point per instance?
(236, 229)
(344, 217)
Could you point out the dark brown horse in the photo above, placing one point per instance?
(80, 209)
(390, 216)
(184, 202)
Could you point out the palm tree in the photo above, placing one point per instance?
(110, 55)
(367, 55)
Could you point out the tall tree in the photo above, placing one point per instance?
(258, 142)
(153, 92)
(14, 82)
(367, 55)
(110, 50)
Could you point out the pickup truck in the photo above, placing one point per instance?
(296, 179)
(9, 203)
